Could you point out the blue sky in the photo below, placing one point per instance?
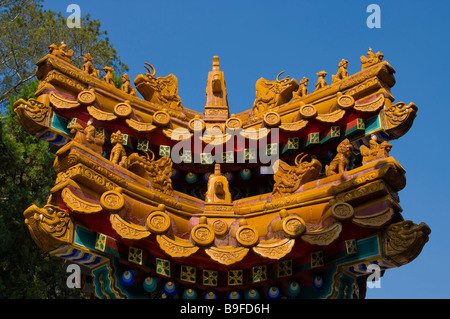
(262, 38)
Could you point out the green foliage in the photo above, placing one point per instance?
(26, 176)
(26, 163)
(37, 29)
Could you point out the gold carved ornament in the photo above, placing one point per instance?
(293, 226)
(342, 211)
(50, 227)
(220, 227)
(403, 241)
(161, 118)
(123, 109)
(176, 248)
(340, 162)
(308, 111)
(323, 237)
(203, 234)
(112, 201)
(345, 101)
(272, 119)
(270, 94)
(78, 205)
(226, 255)
(375, 150)
(376, 220)
(33, 114)
(274, 249)
(158, 222)
(61, 103)
(288, 179)
(128, 230)
(233, 123)
(100, 115)
(246, 235)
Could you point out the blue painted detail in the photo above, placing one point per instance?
(127, 278)
(318, 282)
(59, 124)
(273, 293)
(189, 294)
(252, 294)
(234, 295)
(170, 289)
(293, 289)
(150, 284)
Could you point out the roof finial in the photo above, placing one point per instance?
(216, 66)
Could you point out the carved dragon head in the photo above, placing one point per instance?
(403, 241)
(309, 171)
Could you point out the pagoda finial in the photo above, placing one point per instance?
(216, 106)
(216, 65)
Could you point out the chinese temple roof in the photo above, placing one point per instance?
(294, 197)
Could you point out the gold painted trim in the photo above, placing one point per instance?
(177, 248)
(274, 249)
(127, 230)
(140, 126)
(226, 255)
(100, 115)
(78, 205)
(374, 221)
(323, 237)
(61, 103)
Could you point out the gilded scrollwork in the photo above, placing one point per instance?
(375, 220)
(323, 237)
(177, 247)
(372, 106)
(274, 249)
(126, 229)
(61, 103)
(158, 221)
(226, 255)
(78, 205)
